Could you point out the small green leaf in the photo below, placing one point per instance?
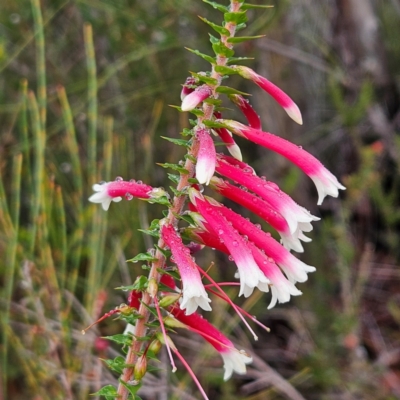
(187, 132)
(174, 178)
(240, 39)
(109, 392)
(117, 364)
(234, 60)
(214, 102)
(209, 59)
(228, 90)
(177, 193)
(237, 18)
(125, 340)
(213, 124)
(213, 39)
(142, 257)
(250, 6)
(225, 70)
(217, 28)
(220, 49)
(175, 167)
(132, 389)
(187, 218)
(217, 6)
(163, 200)
(205, 78)
(179, 142)
(240, 27)
(139, 285)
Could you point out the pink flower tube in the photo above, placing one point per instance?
(234, 360)
(249, 273)
(193, 294)
(206, 157)
(277, 94)
(248, 111)
(227, 138)
(296, 216)
(325, 182)
(115, 190)
(263, 210)
(193, 99)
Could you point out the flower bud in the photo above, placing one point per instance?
(155, 346)
(168, 300)
(152, 288)
(140, 368)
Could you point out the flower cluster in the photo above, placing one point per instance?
(261, 261)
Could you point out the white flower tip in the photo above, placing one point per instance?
(326, 184)
(294, 112)
(204, 172)
(235, 151)
(235, 361)
(190, 302)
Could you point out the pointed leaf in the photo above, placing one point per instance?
(240, 39)
(229, 90)
(217, 28)
(209, 59)
(239, 17)
(217, 6)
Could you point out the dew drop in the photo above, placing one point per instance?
(102, 182)
(267, 233)
(264, 178)
(118, 179)
(132, 181)
(139, 182)
(220, 232)
(300, 147)
(235, 243)
(230, 258)
(258, 226)
(128, 196)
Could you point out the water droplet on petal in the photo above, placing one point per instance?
(139, 182)
(267, 233)
(235, 243)
(132, 180)
(230, 258)
(220, 232)
(258, 226)
(118, 179)
(128, 196)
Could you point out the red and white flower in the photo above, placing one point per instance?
(206, 157)
(325, 182)
(234, 360)
(193, 294)
(250, 274)
(193, 99)
(277, 94)
(248, 111)
(107, 192)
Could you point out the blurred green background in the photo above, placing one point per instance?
(85, 89)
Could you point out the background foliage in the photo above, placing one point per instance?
(84, 92)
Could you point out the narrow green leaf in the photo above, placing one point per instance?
(250, 6)
(237, 18)
(179, 142)
(217, 6)
(174, 178)
(175, 167)
(209, 59)
(205, 78)
(109, 392)
(222, 50)
(142, 257)
(125, 340)
(229, 90)
(234, 60)
(217, 28)
(240, 39)
(225, 70)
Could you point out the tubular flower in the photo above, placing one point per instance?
(193, 294)
(188, 87)
(107, 192)
(296, 216)
(227, 138)
(325, 182)
(277, 94)
(193, 99)
(281, 288)
(262, 209)
(206, 157)
(248, 111)
(234, 360)
(249, 273)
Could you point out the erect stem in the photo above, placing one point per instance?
(176, 209)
